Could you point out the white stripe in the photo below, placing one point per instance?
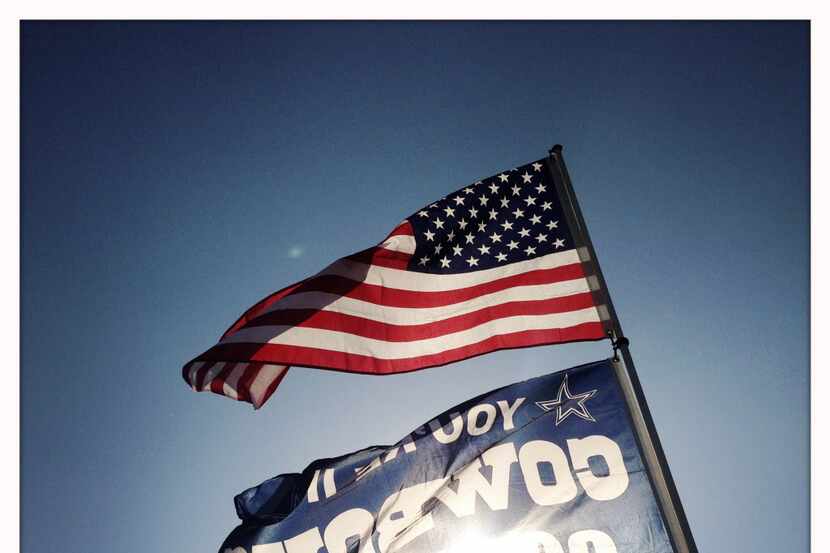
(403, 243)
(313, 494)
(403, 279)
(229, 386)
(380, 349)
(266, 375)
(422, 315)
(211, 374)
(191, 375)
(328, 483)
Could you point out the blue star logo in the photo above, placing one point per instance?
(567, 404)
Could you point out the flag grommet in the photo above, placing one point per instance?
(622, 341)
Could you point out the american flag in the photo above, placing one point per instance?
(489, 267)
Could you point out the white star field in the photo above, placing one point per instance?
(509, 217)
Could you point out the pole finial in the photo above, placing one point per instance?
(556, 149)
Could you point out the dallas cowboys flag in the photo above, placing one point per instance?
(549, 465)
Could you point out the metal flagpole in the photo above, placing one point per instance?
(649, 443)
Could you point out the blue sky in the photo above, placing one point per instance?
(173, 174)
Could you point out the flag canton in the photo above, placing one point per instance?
(513, 216)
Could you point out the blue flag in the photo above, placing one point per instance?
(548, 465)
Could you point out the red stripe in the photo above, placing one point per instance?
(186, 372)
(359, 326)
(218, 383)
(200, 375)
(281, 354)
(370, 256)
(260, 307)
(382, 258)
(404, 229)
(394, 297)
(243, 388)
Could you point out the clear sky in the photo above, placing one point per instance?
(173, 174)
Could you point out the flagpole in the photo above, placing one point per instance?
(648, 441)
